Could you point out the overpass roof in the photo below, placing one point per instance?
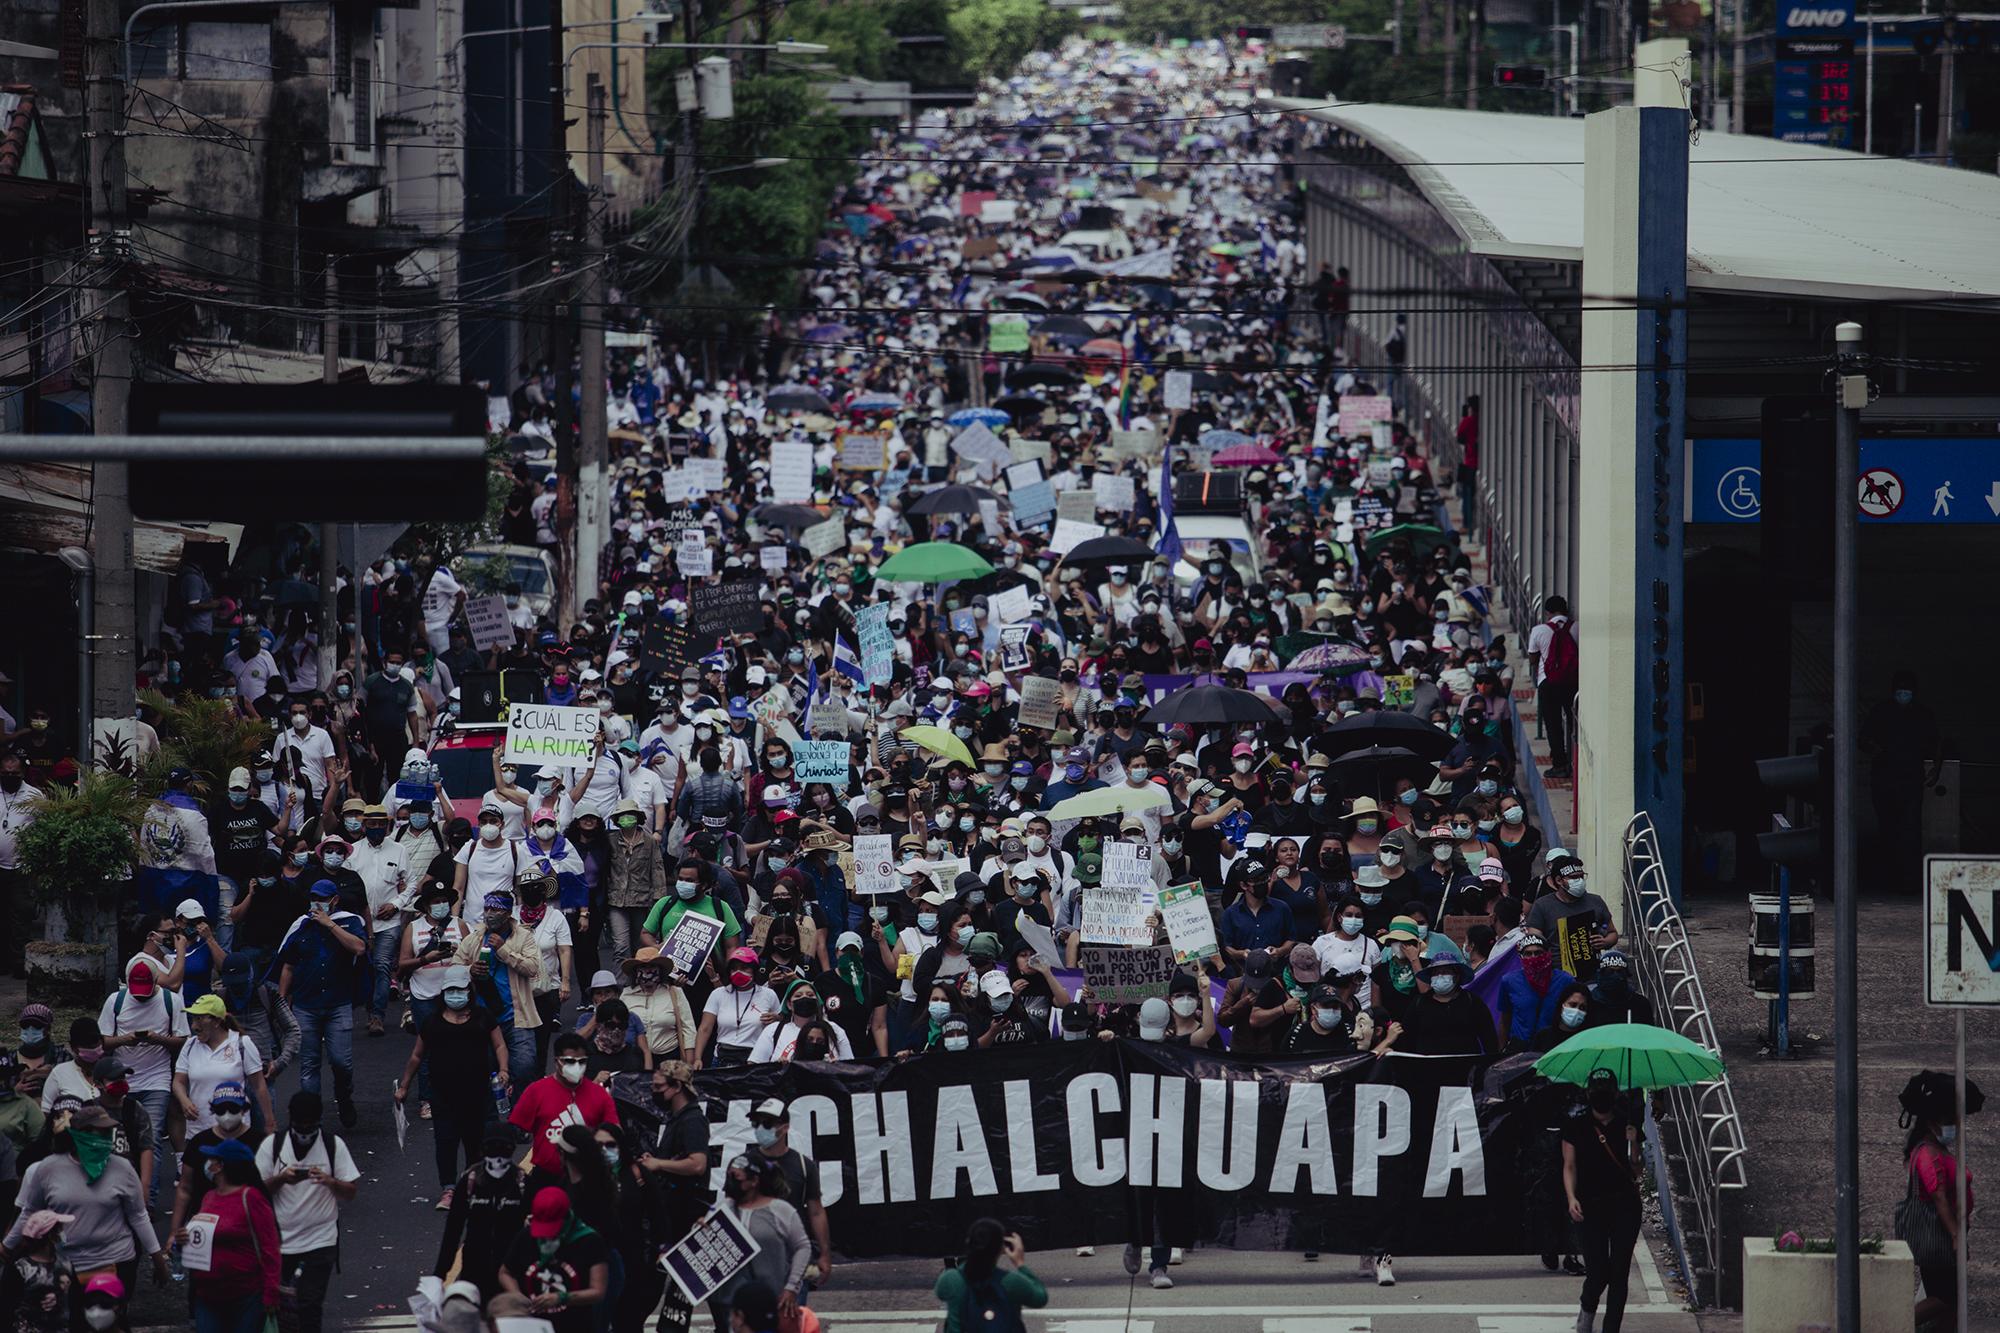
(1763, 215)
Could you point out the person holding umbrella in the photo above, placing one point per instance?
(1601, 1166)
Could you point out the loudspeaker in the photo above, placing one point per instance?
(483, 696)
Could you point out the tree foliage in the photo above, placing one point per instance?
(82, 837)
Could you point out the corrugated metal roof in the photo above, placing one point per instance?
(1763, 215)
(46, 506)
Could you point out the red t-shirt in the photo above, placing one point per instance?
(241, 1267)
(548, 1106)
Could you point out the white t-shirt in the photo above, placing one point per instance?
(315, 747)
(489, 869)
(66, 1079)
(551, 932)
(206, 1069)
(1339, 954)
(779, 1038)
(148, 1067)
(439, 597)
(308, 1214)
(252, 673)
(385, 873)
(736, 1013)
(1539, 639)
(427, 982)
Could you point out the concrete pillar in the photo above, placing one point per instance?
(1628, 525)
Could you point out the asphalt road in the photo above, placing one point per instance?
(389, 1238)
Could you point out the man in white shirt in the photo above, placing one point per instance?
(443, 599)
(252, 665)
(487, 864)
(310, 1174)
(17, 795)
(314, 745)
(385, 872)
(146, 1025)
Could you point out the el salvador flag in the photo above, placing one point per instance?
(812, 678)
(1170, 535)
(847, 663)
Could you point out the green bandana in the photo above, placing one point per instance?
(1402, 976)
(93, 1152)
(856, 977)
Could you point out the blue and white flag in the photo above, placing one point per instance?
(847, 663)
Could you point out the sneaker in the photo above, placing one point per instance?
(423, 1110)
(347, 1115)
(1132, 1260)
(375, 1026)
(1086, 1251)
(1585, 1321)
(1161, 1281)
(1549, 1261)
(1557, 774)
(408, 1022)
(1573, 1266)
(1312, 1256)
(1176, 1257)
(1385, 1276)
(444, 1200)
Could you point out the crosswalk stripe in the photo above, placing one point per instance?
(1526, 1323)
(1119, 1325)
(1320, 1324)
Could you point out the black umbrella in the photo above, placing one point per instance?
(1055, 324)
(1375, 767)
(1044, 374)
(952, 500)
(796, 398)
(1209, 705)
(1021, 406)
(932, 222)
(789, 517)
(1110, 551)
(1377, 727)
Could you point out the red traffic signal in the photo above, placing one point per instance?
(1520, 76)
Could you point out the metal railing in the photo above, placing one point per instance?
(1703, 1134)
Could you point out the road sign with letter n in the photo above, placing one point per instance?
(1962, 930)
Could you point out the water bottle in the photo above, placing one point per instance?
(500, 1102)
(174, 1268)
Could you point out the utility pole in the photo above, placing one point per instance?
(1852, 390)
(329, 533)
(1737, 74)
(1450, 50)
(591, 507)
(1474, 30)
(1947, 51)
(561, 335)
(114, 620)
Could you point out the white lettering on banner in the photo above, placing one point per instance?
(1381, 1129)
(960, 1146)
(1153, 1133)
(1305, 1140)
(1237, 1099)
(1455, 1145)
(815, 1115)
(1024, 1171)
(883, 1171)
(1093, 1160)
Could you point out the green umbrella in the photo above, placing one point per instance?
(932, 562)
(1641, 1055)
(1423, 539)
(1119, 800)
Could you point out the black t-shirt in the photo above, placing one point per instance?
(1601, 1172)
(681, 1133)
(1304, 1039)
(801, 1178)
(461, 1058)
(1016, 1028)
(386, 701)
(854, 1013)
(240, 834)
(567, 1270)
(208, 1138)
(273, 908)
(626, 1059)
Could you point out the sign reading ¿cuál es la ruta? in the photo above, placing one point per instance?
(1413, 1154)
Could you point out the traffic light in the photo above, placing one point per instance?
(1253, 32)
(1805, 847)
(1520, 76)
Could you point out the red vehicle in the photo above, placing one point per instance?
(464, 760)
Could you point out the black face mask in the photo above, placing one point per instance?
(10, 783)
(1602, 1100)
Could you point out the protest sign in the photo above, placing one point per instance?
(1128, 865)
(977, 444)
(1007, 333)
(664, 649)
(540, 734)
(827, 719)
(1184, 910)
(486, 617)
(1014, 647)
(1358, 413)
(1127, 976)
(693, 556)
(1039, 938)
(998, 211)
(711, 1253)
(979, 247)
(1381, 472)
(773, 712)
(1029, 450)
(823, 539)
(1041, 703)
(989, 516)
(862, 453)
(1009, 604)
(1177, 390)
(1078, 505)
(1135, 443)
(688, 944)
(1022, 474)
(821, 761)
(198, 1250)
(705, 475)
(1068, 532)
(874, 864)
(945, 870)
(726, 608)
(1382, 437)
(1113, 493)
(1576, 951)
(1114, 915)
(773, 559)
(964, 622)
(1398, 691)
(878, 648)
(791, 471)
(1033, 504)
(674, 522)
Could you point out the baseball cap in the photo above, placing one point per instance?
(208, 1006)
(1304, 963)
(771, 1108)
(549, 1214)
(985, 944)
(190, 910)
(139, 981)
(602, 979)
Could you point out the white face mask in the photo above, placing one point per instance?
(1351, 925)
(1390, 858)
(497, 1167)
(100, 1316)
(1327, 1018)
(229, 1120)
(1243, 765)
(1441, 853)
(571, 1071)
(1037, 844)
(489, 832)
(1185, 1005)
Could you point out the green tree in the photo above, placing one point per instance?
(990, 37)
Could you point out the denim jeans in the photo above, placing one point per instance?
(244, 1316)
(420, 1014)
(166, 1166)
(623, 928)
(460, 1125)
(225, 898)
(334, 1027)
(383, 947)
(521, 1067)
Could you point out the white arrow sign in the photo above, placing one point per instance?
(1993, 499)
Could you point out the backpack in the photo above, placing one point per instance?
(1559, 661)
(987, 1308)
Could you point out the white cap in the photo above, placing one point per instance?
(239, 778)
(847, 937)
(995, 983)
(603, 980)
(190, 910)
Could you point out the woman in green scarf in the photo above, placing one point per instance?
(84, 1179)
(557, 1269)
(856, 997)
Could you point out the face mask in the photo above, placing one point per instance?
(939, 1010)
(1351, 925)
(1441, 853)
(1242, 765)
(686, 891)
(767, 1135)
(1372, 899)
(1390, 858)
(976, 898)
(334, 860)
(965, 934)
(1172, 846)
(1575, 886)
(440, 912)
(571, 1071)
(544, 832)
(1571, 1018)
(265, 774)
(457, 999)
(32, 1037)
(235, 797)
(1002, 1002)
(956, 1043)
(1905, 696)
(647, 976)
(489, 833)
(300, 858)
(1367, 827)
(1018, 784)
(1327, 1018)
(1140, 773)
(497, 1167)
(927, 922)
(230, 1120)
(993, 770)
(1444, 984)
(1185, 1005)
(265, 881)
(1515, 816)
(965, 824)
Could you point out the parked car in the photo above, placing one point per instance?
(491, 566)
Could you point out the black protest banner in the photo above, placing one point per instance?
(719, 609)
(1071, 1142)
(664, 649)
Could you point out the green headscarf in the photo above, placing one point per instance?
(93, 1151)
(1402, 976)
